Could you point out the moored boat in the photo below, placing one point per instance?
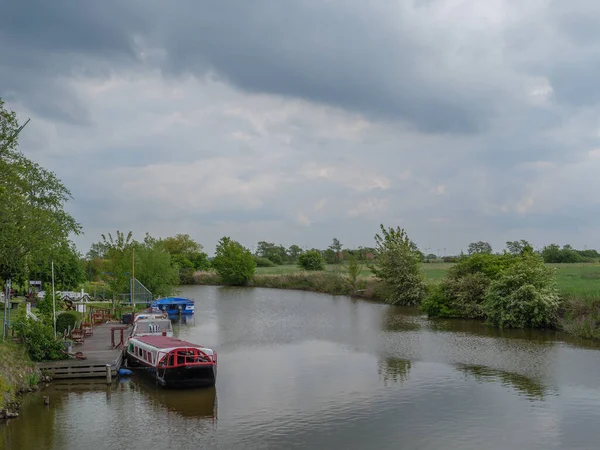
(173, 306)
(152, 325)
(173, 362)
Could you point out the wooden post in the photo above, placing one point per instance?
(108, 374)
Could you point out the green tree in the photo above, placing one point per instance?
(68, 267)
(294, 252)
(233, 262)
(336, 249)
(154, 267)
(311, 260)
(518, 247)
(271, 251)
(32, 201)
(354, 268)
(524, 296)
(479, 247)
(187, 254)
(397, 266)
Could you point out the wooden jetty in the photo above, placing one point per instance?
(99, 351)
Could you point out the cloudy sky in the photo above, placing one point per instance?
(297, 121)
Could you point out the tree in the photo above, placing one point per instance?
(336, 249)
(354, 268)
(187, 254)
(479, 247)
(32, 201)
(68, 267)
(233, 262)
(518, 247)
(294, 252)
(311, 260)
(397, 266)
(154, 267)
(271, 251)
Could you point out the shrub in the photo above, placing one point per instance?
(40, 341)
(233, 262)
(525, 295)
(67, 320)
(263, 262)
(311, 260)
(458, 297)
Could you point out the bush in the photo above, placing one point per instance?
(311, 260)
(524, 296)
(67, 320)
(263, 262)
(458, 297)
(40, 341)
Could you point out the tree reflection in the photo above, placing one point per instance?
(529, 387)
(398, 319)
(394, 370)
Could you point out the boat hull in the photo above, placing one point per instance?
(187, 376)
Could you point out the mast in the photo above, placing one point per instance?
(133, 282)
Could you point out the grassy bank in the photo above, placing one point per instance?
(18, 375)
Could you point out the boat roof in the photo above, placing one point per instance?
(172, 300)
(166, 342)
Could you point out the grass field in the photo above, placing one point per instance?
(578, 280)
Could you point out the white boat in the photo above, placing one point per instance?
(173, 362)
(152, 325)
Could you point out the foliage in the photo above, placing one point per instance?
(154, 267)
(488, 264)
(518, 247)
(294, 252)
(354, 268)
(458, 297)
(479, 247)
(554, 254)
(186, 254)
(275, 253)
(397, 265)
(67, 320)
(233, 262)
(68, 267)
(263, 262)
(40, 341)
(333, 254)
(525, 295)
(32, 200)
(311, 260)
(45, 308)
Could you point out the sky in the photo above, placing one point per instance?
(296, 122)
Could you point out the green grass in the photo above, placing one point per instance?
(576, 280)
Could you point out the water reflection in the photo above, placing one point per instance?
(393, 370)
(527, 386)
(199, 403)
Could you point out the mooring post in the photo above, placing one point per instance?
(108, 374)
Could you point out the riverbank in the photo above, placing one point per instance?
(578, 315)
(18, 375)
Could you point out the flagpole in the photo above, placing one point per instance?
(133, 281)
(53, 301)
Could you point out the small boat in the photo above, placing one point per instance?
(173, 362)
(152, 325)
(173, 306)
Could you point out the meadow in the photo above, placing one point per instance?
(576, 280)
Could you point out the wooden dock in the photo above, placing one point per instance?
(98, 352)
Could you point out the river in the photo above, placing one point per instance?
(299, 370)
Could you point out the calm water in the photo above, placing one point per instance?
(303, 370)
